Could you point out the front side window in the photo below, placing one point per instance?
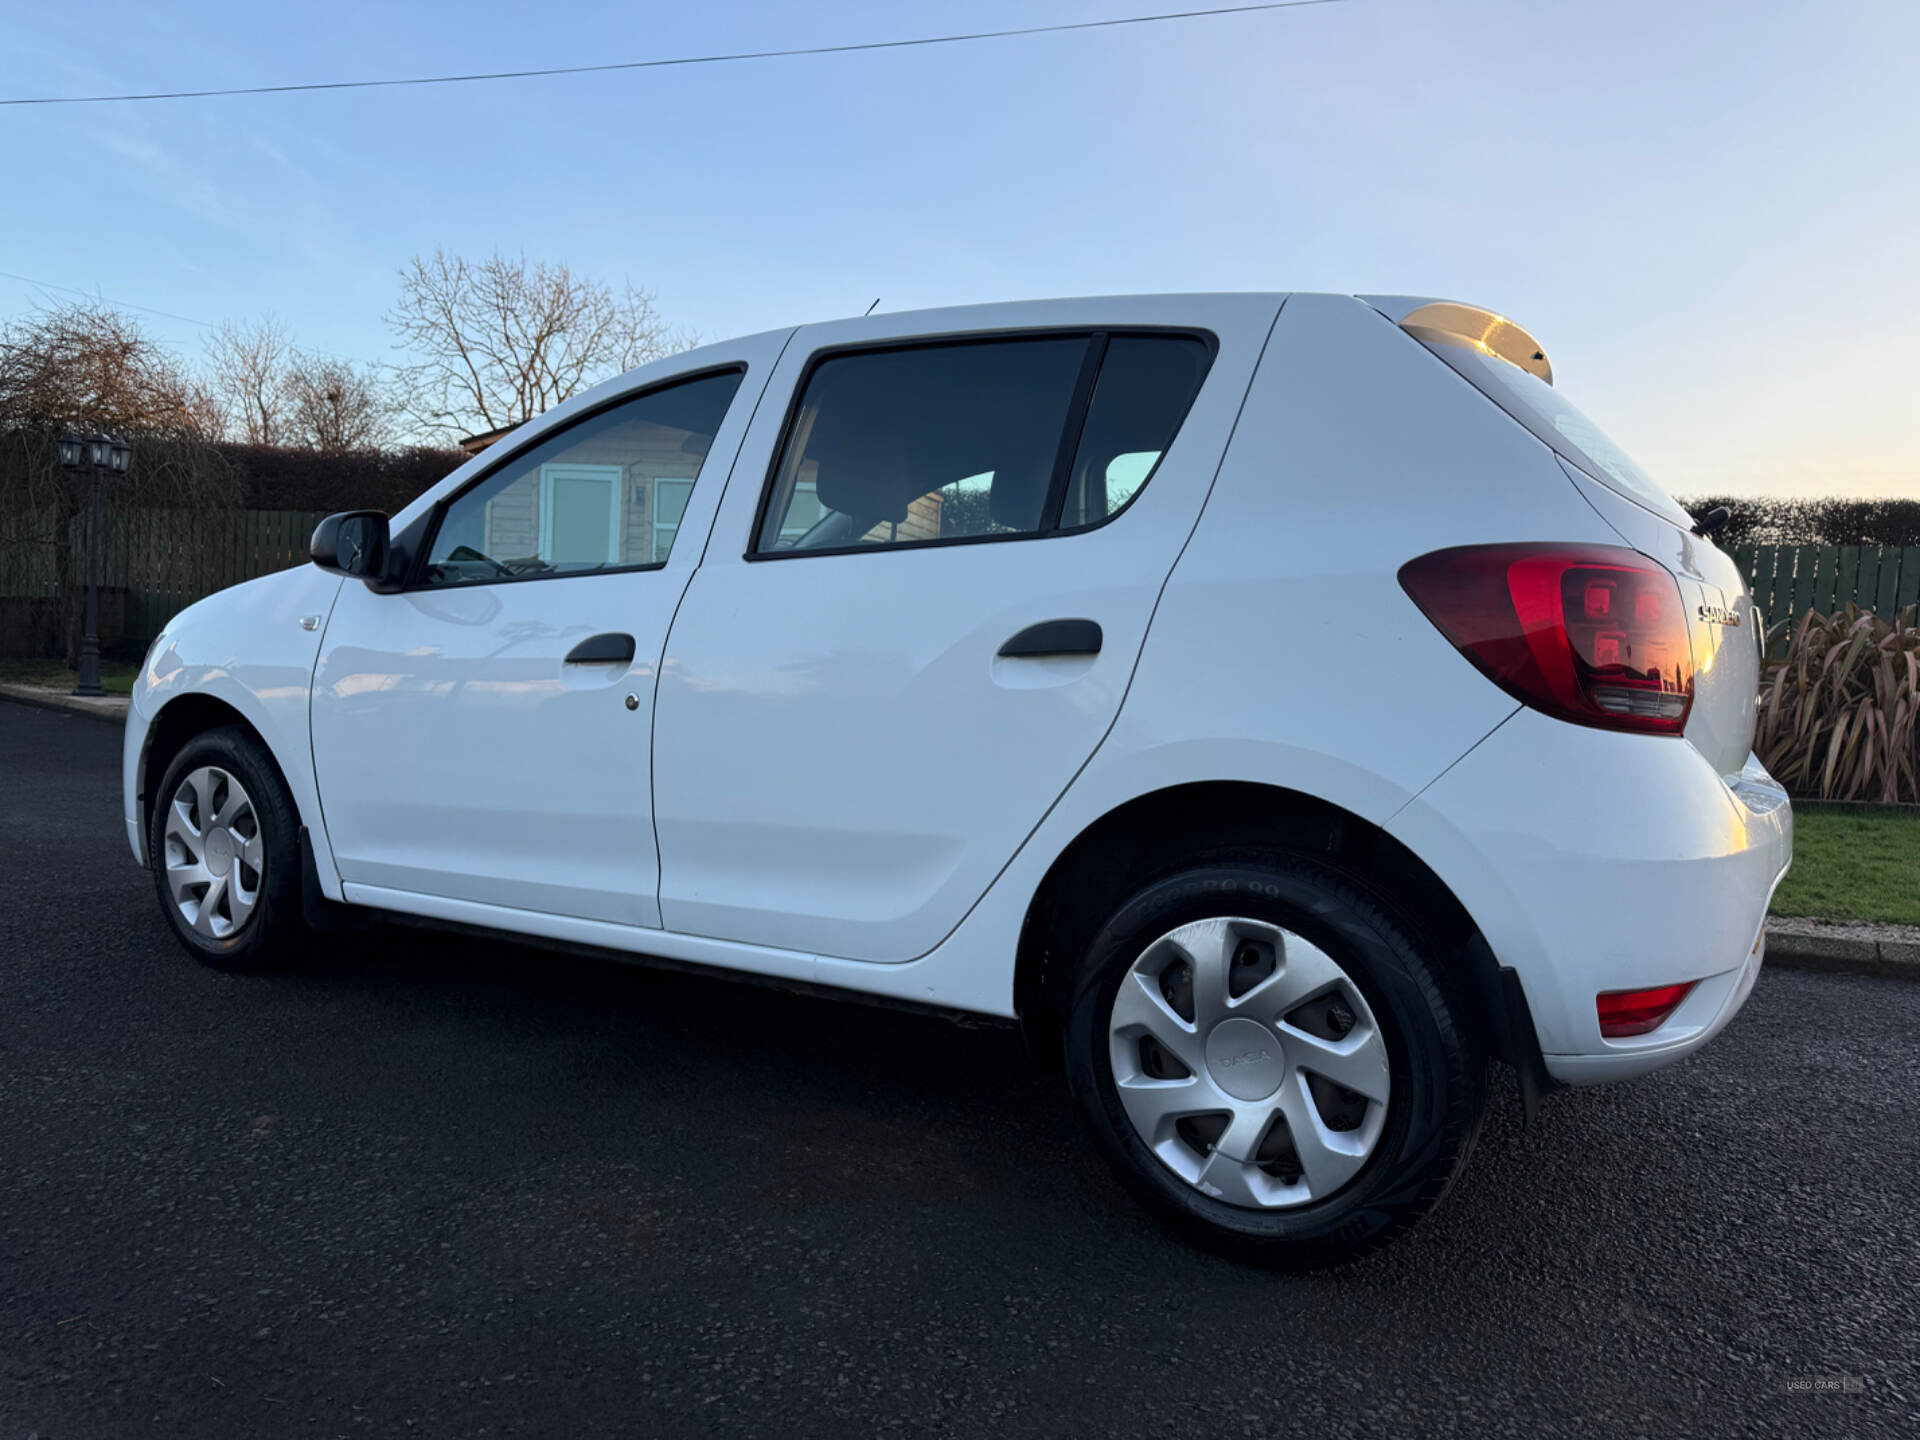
(607, 493)
(977, 439)
(670, 496)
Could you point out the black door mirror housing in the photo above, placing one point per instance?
(353, 543)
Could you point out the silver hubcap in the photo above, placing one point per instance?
(213, 852)
(1249, 1062)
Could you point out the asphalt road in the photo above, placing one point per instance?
(440, 1187)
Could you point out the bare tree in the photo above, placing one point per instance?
(333, 406)
(249, 365)
(498, 341)
(88, 365)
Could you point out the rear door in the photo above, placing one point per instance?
(921, 606)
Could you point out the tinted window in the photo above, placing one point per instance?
(933, 443)
(1555, 420)
(1146, 386)
(605, 494)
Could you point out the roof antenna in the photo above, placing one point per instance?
(869, 309)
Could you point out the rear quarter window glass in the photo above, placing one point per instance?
(1146, 386)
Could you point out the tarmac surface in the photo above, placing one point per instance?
(437, 1186)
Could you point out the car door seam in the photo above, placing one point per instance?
(666, 639)
(313, 758)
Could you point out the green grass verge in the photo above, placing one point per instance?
(1853, 867)
(116, 676)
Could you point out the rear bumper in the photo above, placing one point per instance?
(1701, 1016)
(1595, 861)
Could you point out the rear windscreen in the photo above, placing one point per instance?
(1554, 419)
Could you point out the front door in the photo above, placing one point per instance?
(485, 735)
(920, 609)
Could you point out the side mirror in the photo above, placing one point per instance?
(354, 543)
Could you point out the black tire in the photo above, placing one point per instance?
(272, 934)
(1437, 1057)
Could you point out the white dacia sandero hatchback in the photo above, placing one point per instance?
(1279, 705)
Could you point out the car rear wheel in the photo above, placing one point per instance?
(224, 849)
(1272, 1062)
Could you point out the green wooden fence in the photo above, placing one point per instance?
(160, 560)
(1789, 580)
(173, 560)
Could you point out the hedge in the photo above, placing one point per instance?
(284, 479)
(1770, 521)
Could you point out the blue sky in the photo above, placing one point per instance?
(1707, 212)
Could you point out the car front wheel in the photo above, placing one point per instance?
(1272, 1062)
(224, 848)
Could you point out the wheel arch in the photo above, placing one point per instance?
(178, 721)
(1128, 844)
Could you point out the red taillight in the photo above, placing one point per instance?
(1635, 1012)
(1594, 634)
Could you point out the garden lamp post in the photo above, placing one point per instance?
(100, 454)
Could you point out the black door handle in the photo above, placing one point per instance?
(1055, 637)
(602, 650)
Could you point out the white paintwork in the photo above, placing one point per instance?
(461, 757)
(1611, 865)
(247, 647)
(848, 763)
(1255, 631)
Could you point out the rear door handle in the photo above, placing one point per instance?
(610, 649)
(1055, 637)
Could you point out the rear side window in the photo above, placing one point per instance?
(975, 441)
(1555, 420)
